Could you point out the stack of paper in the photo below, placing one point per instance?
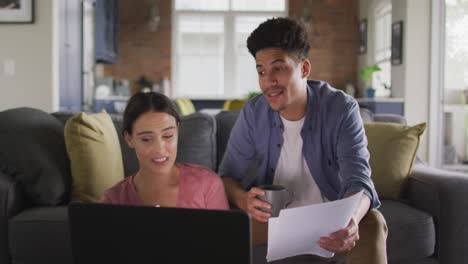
(296, 231)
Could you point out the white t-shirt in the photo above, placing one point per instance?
(292, 171)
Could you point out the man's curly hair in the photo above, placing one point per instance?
(283, 33)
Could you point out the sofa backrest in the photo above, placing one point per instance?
(197, 140)
(390, 118)
(202, 140)
(32, 152)
(225, 121)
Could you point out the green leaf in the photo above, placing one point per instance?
(251, 95)
(366, 72)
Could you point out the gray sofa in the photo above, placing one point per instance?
(427, 225)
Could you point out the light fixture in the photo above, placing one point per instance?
(154, 17)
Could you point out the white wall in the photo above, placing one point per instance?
(399, 12)
(32, 49)
(365, 9)
(410, 80)
(417, 74)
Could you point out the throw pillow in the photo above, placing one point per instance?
(95, 155)
(392, 149)
(197, 141)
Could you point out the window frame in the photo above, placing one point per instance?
(229, 89)
(383, 8)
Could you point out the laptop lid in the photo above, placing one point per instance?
(119, 234)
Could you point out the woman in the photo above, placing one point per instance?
(150, 126)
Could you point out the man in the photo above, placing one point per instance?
(306, 136)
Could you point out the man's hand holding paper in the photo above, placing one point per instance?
(299, 230)
(342, 240)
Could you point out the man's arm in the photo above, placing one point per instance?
(353, 156)
(362, 209)
(239, 153)
(354, 166)
(234, 192)
(246, 200)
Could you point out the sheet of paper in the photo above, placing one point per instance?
(296, 231)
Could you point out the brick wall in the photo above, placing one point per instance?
(333, 32)
(142, 52)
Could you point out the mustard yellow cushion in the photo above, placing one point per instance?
(95, 156)
(235, 104)
(186, 106)
(392, 149)
(189, 105)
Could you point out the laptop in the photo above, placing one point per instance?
(119, 234)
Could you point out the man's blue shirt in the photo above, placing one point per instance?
(334, 144)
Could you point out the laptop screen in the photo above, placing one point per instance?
(118, 234)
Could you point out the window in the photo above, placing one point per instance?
(456, 58)
(211, 59)
(455, 154)
(383, 24)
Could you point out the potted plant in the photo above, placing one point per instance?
(366, 75)
(252, 94)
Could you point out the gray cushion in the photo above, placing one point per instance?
(32, 149)
(40, 235)
(390, 118)
(63, 116)
(411, 232)
(224, 122)
(259, 257)
(129, 157)
(425, 261)
(197, 142)
(366, 115)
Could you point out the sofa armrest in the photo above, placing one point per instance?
(443, 194)
(12, 200)
(12, 196)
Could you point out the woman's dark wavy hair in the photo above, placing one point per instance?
(141, 103)
(284, 33)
